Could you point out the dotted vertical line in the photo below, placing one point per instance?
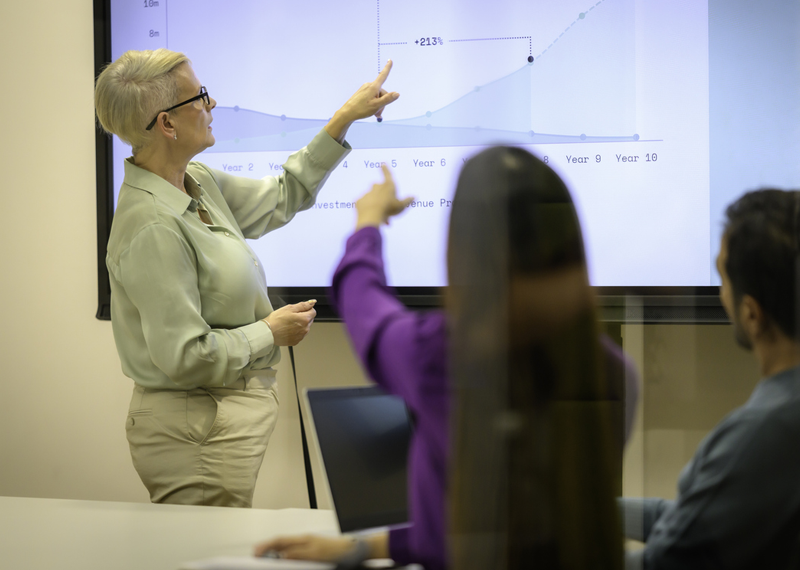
(379, 36)
(166, 21)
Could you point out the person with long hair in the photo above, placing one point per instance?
(519, 401)
(538, 404)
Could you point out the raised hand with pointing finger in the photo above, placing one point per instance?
(380, 203)
(370, 99)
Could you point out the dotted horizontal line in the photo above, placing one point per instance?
(394, 44)
(492, 39)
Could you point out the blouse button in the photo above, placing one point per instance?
(227, 234)
(256, 262)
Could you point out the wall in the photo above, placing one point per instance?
(64, 401)
(64, 397)
(63, 408)
(692, 376)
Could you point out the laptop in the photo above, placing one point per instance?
(363, 436)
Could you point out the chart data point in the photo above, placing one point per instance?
(428, 113)
(636, 137)
(530, 59)
(236, 108)
(428, 126)
(583, 136)
(531, 133)
(477, 88)
(582, 15)
(283, 117)
(380, 119)
(236, 140)
(283, 134)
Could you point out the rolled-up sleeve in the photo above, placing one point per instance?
(399, 550)
(262, 205)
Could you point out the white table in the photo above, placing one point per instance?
(44, 534)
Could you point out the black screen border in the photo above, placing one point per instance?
(691, 305)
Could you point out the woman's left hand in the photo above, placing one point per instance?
(323, 549)
(380, 203)
(369, 100)
(308, 547)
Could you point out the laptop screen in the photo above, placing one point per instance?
(363, 435)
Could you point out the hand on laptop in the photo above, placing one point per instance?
(323, 548)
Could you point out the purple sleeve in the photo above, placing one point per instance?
(399, 550)
(392, 341)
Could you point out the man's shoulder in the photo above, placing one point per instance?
(773, 408)
(756, 430)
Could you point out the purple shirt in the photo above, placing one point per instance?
(405, 352)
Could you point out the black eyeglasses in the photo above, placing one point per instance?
(203, 95)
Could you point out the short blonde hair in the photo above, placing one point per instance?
(133, 89)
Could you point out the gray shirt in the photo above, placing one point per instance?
(186, 297)
(738, 503)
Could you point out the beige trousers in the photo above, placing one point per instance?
(203, 446)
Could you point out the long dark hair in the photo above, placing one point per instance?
(535, 465)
